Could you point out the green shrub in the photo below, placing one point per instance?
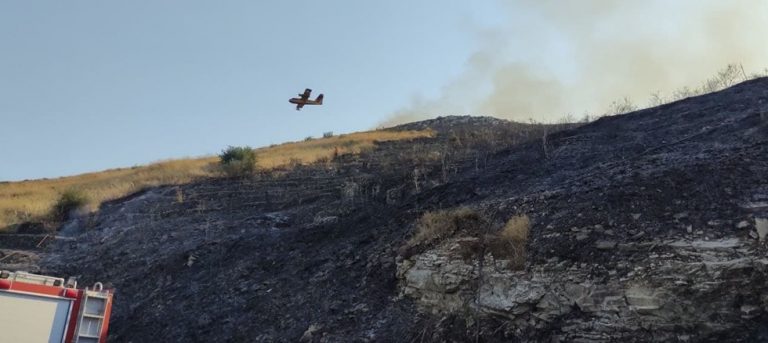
(69, 201)
(238, 161)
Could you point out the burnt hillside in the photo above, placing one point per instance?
(278, 252)
(646, 226)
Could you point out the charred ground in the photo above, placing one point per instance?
(279, 252)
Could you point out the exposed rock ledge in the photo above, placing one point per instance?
(690, 291)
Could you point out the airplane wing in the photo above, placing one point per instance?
(299, 106)
(305, 96)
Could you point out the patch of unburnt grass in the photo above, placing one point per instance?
(505, 243)
(510, 242)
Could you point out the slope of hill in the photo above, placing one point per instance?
(32, 200)
(294, 240)
(648, 226)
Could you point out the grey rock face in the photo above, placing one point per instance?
(666, 298)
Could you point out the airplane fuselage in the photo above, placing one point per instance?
(303, 101)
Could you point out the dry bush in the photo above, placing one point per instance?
(657, 99)
(730, 75)
(507, 244)
(511, 241)
(179, 195)
(436, 226)
(624, 105)
(516, 229)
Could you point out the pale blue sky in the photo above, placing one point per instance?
(90, 85)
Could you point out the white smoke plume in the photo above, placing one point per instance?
(553, 58)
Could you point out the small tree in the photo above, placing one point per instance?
(328, 134)
(69, 201)
(238, 161)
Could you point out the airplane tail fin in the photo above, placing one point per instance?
(320, 99)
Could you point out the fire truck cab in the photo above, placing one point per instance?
(44, 309)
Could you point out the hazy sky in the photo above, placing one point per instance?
(91, 85)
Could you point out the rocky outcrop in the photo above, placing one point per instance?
(646, 227)
(696, 290)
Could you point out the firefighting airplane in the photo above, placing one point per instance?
(305, 100)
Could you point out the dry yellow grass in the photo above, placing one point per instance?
(516, 229)
(32, 200)
(310, 151)
(511, 241)
(439, 225)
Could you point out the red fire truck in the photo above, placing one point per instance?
(44, 309)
